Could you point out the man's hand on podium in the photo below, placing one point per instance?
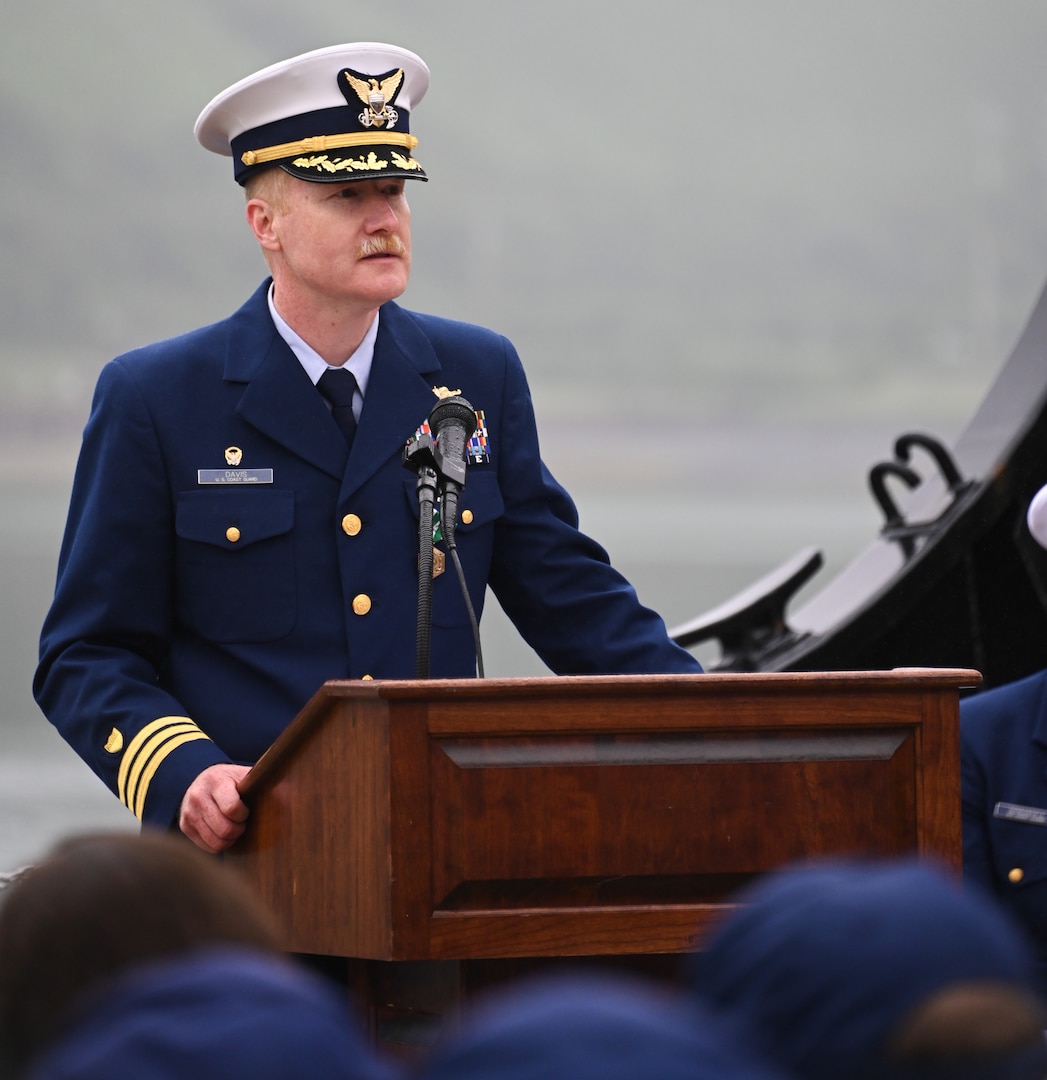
(213, 815)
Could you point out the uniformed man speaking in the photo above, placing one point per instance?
(240, 531)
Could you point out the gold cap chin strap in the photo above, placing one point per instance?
(319, 144)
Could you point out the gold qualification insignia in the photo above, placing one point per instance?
(233, 455)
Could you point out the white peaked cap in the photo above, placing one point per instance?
(334, 114)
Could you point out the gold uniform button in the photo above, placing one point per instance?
(1015, 875)
(361, 604)
(232, 534)
(351, 525)
(366, 678)
(467, 517)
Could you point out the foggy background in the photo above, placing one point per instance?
(741, 245)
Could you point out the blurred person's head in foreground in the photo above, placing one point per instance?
(100, 909)
(588, 1027)
(212, 1014)
(875, 970)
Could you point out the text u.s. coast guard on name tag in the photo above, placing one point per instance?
(1030, 815)
(234, 476)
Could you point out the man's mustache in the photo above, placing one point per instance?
(381, 245)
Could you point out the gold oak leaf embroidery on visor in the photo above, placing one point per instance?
(402, 162)
(146, 753)
(372, 163)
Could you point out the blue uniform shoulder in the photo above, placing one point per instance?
(454, 342)
(197, 342)
(441, 330)
(250, 326)
(1005, 711)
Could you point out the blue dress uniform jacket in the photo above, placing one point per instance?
(1003, 739)
(192, 621)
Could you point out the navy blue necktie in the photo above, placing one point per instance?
(338, 386)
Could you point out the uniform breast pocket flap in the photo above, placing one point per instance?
(235, 563)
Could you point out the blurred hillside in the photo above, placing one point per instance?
(741, 245)
(840, 202)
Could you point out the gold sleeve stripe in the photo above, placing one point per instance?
(135, 745)
(319, 144)
(154, 764)
(145, 753)
(157, 745)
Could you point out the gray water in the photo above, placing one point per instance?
(46, 792)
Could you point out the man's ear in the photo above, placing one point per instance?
(261, 219)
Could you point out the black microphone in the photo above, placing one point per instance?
(452, 423)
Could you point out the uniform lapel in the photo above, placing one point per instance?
(278, 399)
(1040, 725)
(399, 395)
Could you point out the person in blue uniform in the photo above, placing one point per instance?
(237, 535)
(1003, 754)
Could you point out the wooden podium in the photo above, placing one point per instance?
(482, 820)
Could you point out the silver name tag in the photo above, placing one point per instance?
(1030, 815)
(234, 476)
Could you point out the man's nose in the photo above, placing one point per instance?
(381, 215)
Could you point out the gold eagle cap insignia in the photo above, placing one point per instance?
(375, 94)
(442, 392)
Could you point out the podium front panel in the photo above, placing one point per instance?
(588, 816)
